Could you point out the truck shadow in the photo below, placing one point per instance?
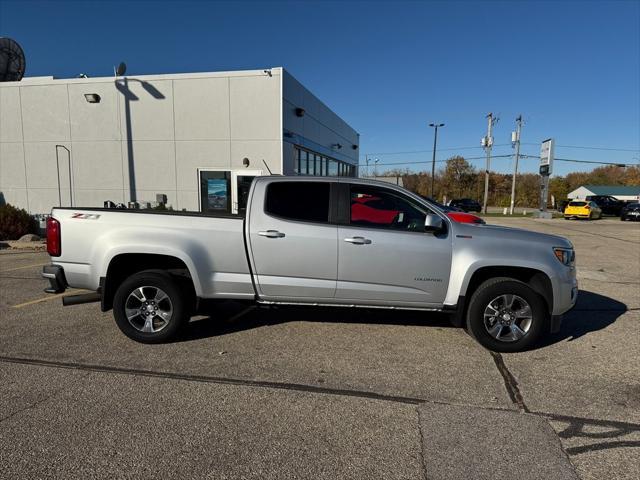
(593, 312)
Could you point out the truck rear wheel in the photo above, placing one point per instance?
(506, 315)
(150, 307)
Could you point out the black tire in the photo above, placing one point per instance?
(496, 287)
(152, 281)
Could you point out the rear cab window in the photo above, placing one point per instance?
(299, 201)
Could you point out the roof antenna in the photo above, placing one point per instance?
(268, 169)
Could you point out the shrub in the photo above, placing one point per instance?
(15, 222)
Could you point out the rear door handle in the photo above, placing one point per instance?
(271, 234)
(358, 240)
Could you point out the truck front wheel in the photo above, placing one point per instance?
(506, 315)
(149, 307)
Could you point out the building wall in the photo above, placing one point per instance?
(318, 130)
(149, 132)
(579, 193)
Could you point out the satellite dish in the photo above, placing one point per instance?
(122, 68)
(12, 62)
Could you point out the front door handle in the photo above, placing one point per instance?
(271, 234)
(358, 240)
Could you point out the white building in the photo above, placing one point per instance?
(626, 193)
(197, 138)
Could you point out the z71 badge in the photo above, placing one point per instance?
(86, 216)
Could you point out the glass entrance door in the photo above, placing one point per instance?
(215, 191)
(241, 181)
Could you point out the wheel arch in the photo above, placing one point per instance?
(124, 265)
(538, 280)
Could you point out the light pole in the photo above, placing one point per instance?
(433, 161)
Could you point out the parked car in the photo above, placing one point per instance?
(307, 241)
(466, 204)
(608, 204)
(580, 209)
(631, 211)
(456, 214)
(562, 204)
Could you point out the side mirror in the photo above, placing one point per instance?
(433, 223)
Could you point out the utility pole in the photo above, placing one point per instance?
(515, 141)
(433, 161)
(487, 142)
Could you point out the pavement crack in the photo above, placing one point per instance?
(422, 450)
(216, 380)
(510, 383)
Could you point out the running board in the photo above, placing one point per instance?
(350, 305)
(80, 299)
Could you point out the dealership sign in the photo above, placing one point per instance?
(546, 157)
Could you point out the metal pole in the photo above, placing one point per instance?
(515, 170)
(433, 160)
(58, 170)
(489, 142)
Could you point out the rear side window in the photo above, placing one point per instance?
(577, 204)
(301, 201)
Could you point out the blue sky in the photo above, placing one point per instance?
(388, 68)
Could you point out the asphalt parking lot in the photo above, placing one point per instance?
(325, 393)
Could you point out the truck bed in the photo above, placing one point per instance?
(211, 247)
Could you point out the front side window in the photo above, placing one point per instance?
(301, 201)
(380, 208)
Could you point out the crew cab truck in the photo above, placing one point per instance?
(314, 241)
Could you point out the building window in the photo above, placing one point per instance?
(310, 163)
(304, 163)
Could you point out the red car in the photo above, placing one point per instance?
(463, 217)
(364, 209)
(456, 214)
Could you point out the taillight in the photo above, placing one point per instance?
(587, 207)
(54, 248)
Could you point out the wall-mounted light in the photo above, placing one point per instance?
(92, 97)
(355, 147)
(299, 112)
(336, 146)
(245, 162)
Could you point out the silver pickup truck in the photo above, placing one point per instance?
(314, 241)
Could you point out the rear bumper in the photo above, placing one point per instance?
(57, 280)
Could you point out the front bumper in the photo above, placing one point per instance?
(57, 280)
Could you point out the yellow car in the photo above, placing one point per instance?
(582, 209)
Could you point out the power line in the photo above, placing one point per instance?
(437, 161)
(591, 148)
(409, 152)
(537, 157)
(584, 161)
(429, 151)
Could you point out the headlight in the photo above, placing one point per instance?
(566, 255)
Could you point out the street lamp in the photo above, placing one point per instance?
(433, 162)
